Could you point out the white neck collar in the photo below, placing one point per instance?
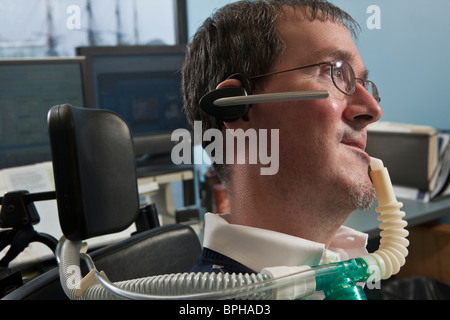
(259, 248)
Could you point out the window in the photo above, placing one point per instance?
(37, 28)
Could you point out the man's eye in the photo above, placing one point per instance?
(338, 74)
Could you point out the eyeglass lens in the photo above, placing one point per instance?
(344, 79)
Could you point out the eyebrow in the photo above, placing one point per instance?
(365, 76)
(332, 54)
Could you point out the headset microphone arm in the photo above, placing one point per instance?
(231, 103)
(271, 97)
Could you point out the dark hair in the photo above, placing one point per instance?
(241, 37)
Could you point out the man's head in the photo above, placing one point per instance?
(242, 37)
(322, 162)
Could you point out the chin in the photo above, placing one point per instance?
(357, 185)
(362, 195)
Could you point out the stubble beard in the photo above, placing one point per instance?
(362, 196)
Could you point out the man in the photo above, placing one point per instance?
(293, 217)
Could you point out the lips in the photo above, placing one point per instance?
(354, 138)
(357, 143)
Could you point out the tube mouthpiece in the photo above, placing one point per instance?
(382, 182)
(376, 164)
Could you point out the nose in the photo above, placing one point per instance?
(362, 108)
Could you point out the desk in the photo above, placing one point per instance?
(163, 196)
(416, 213)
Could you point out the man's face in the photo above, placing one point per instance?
(322, 141)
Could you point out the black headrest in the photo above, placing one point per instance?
(94, 169)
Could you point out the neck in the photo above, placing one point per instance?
(265, 204)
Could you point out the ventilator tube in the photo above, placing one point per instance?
(391, 254)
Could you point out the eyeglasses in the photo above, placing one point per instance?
(342, 75)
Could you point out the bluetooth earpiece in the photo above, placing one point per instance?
(230, 103)
(230, 113)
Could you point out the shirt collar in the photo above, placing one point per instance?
(259, 248)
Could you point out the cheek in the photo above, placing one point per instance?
(331, 109)
(307, 129)
(318, 122)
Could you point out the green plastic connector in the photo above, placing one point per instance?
(339, 280)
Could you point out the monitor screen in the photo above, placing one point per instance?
(142, 84)
(28, 89)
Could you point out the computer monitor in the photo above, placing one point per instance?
(143, 85)
(28, 89)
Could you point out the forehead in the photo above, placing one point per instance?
(313, 41)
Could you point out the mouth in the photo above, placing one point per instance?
(358, 145)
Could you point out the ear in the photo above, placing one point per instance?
(230, 83)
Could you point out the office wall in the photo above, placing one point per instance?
(405, 46)
(408, 57)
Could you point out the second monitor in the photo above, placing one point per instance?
(143, 85)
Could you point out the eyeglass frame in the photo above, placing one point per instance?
(363, 82)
